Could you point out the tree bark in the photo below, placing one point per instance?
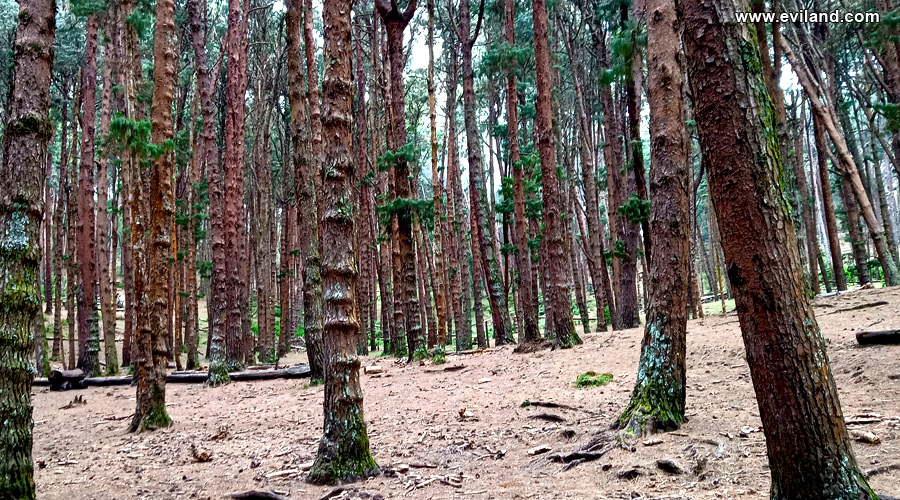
(59, 224)
(107, 305)
(658, 400)
(562, 328)
(496, 294)
(529, 306)
(808, 446)
(343, 453)
(88, 334)
(834, 242)
(27, 133)
(152, 360)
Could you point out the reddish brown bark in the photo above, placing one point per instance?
(88, 335)
(562, 328)
(343, 453)
(529, 306)
(59, 224)
(107, 305)
(151, 361)
(503, 329)
(810, 455)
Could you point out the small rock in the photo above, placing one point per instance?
(537, 450)
(670, 466)
(466, 413)
(653, 442)
(484, 380)
(402, 468)
(373, 369)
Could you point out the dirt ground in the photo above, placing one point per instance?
(262, 435)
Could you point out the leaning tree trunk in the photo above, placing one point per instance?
(343, 453)
(562, 327)
(809, 450)
(71, 216)
(25, 142)
(152, 361)
(88, 335)
(658, 400)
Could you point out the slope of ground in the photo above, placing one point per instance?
(465, 433)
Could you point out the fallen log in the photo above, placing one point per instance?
(878, 337)
(61, 380)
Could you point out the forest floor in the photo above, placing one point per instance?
(465, 434)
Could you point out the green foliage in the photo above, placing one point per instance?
(420, 353)
(593, 379)
(636, 210)
(409, 153)
(439, 356)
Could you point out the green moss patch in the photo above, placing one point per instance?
(593, 379)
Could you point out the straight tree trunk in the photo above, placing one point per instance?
(151, 363)
(305, 191)
(857, 240)
(834, 242)
(308, 193)
(439, 283)
(809, 450)
(343, 453)
(217, 299)
(88, 334)
(459, 267)
(59, 225)
(107, 306)
(27, 133)
(235, 91)
(395, 22)
(496, 294)
(529, 308)
(658, 400)
(71, 217)
(562, 328)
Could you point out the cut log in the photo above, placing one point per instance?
(61, 380)
(878, 337)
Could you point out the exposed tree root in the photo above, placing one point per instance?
(533, 346)
(258, 495)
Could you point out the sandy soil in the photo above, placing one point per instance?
(261, 435)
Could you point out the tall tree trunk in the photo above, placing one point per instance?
(25, 142)
(305, 191)
(344, 449)
(217, 298)
(71, 217)
(658, 400)
(395, 22)
(88, 334)
(59, 224)
(834, 242)
(857, 240)
(529, 308)
(439, 283)
(496, 294)
(235, 98)
(151, 361)
(562, 328)
(456, 218)
(107, 305)
(367, 244)
(809, 450)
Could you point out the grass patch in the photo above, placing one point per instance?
(593, 379)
